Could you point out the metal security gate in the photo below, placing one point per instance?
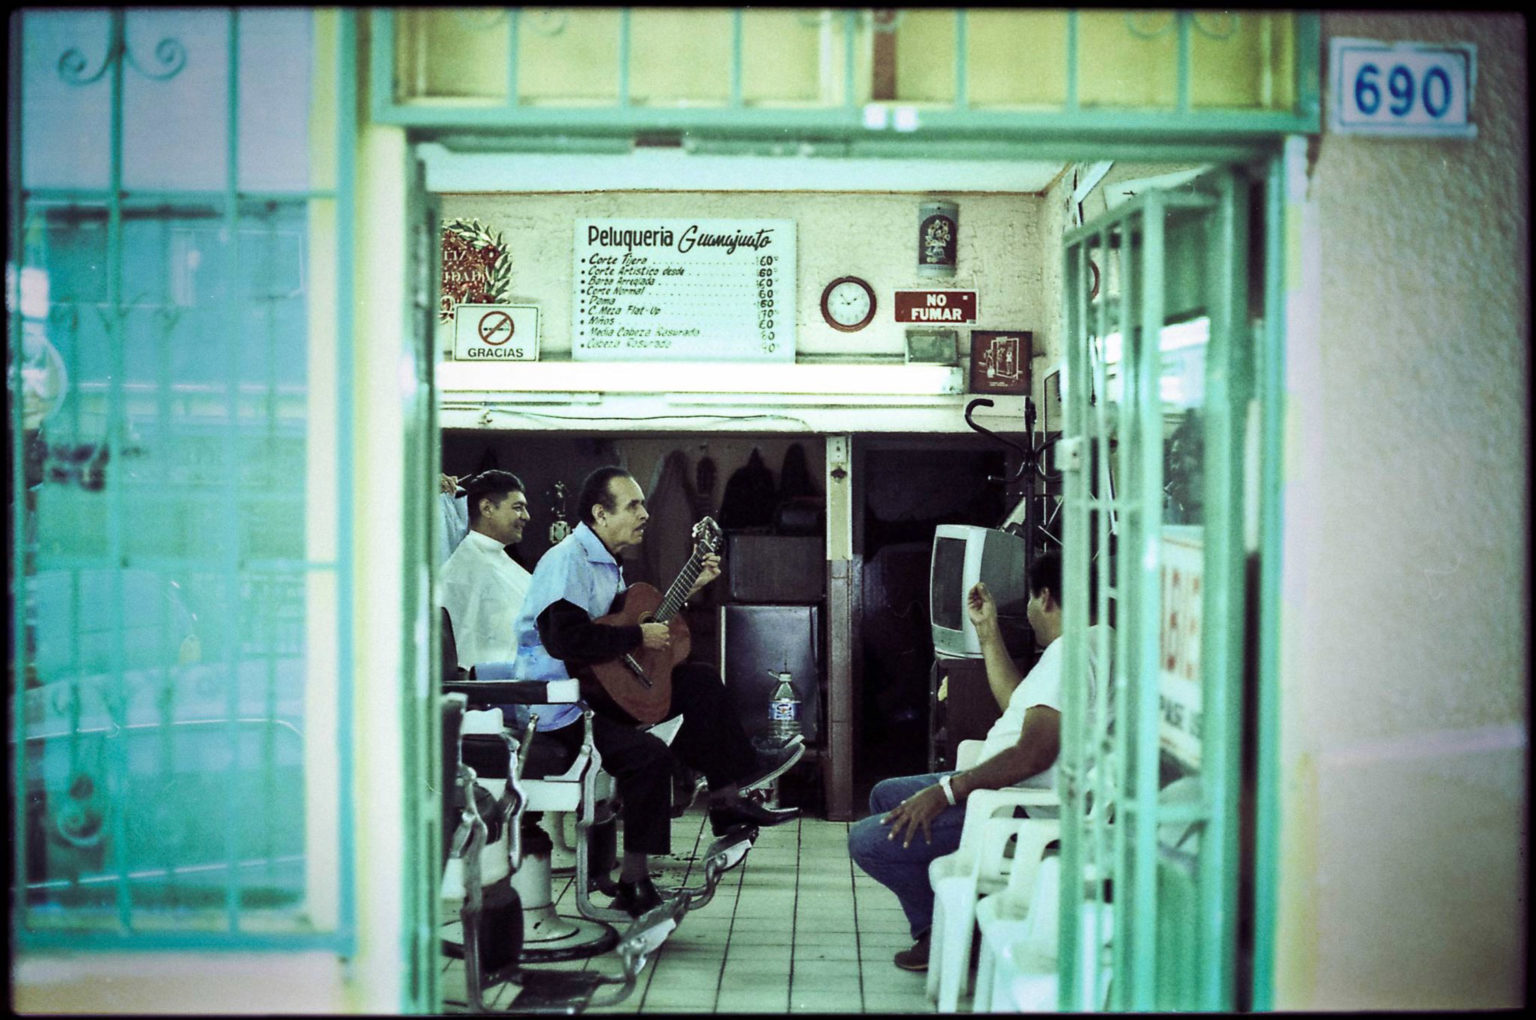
(1159, 385)
(179, 299)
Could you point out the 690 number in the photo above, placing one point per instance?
(1403, 90)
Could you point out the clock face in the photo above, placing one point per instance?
(848, 304)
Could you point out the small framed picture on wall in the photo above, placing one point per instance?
(1000, 361)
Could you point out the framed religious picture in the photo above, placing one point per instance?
(1000, 361)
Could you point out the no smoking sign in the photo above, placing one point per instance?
(496, 333)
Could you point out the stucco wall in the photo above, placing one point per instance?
(1405, 701)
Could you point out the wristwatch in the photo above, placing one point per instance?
(949, 791)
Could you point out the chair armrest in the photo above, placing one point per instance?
(981, 806)
(494, 683)
(984, 803)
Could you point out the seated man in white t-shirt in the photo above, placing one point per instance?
(1020, 750)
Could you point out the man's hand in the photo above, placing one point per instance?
(447, 484)
(710, 569)
(916, 811)
(656, 636)
(981, 607)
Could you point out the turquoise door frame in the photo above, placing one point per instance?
(420, 636)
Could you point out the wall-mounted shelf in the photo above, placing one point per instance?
(715, 396)
(680, 377)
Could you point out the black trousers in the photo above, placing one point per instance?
(711, 741)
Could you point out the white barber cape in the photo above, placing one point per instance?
(483, 589)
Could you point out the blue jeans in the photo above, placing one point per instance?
(904, 870)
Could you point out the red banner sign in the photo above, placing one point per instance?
(936, 306)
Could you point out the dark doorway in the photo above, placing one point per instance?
(909, 485)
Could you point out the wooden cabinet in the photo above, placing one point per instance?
(966, 713)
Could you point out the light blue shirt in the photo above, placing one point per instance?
(581, 570)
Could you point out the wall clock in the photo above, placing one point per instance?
(848, 304)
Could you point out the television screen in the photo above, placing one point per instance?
(947, 595)
(962, 556)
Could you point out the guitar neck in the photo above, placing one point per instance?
(678, 593)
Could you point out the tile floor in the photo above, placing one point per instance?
(796, 928)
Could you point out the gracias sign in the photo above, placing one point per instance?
(496, 333)
(935, 306)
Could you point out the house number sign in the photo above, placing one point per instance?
(1412, 90)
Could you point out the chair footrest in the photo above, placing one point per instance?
(546, 991)
(590, 937)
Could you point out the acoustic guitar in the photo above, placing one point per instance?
(641, 682)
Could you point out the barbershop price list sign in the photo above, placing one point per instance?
(684, 290)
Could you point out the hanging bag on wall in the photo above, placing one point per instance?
(668, 540)
(802, 508)
(750, 496)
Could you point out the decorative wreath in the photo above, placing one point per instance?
(477, 268)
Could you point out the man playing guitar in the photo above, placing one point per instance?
(559, 633)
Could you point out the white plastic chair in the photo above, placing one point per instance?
(1006, 916)
(968, 753)
(1009, 915)
(1025, 978)
(979, 866)
(1019, 951)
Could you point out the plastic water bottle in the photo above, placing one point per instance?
(783, 710)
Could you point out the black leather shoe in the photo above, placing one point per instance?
(635, 898)
(775, 764)
(915, 958)
(742, 811)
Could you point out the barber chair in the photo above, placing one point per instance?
(577, 785)
(550, 778)
(484, 853)
(553, 779)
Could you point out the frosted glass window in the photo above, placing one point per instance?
(175, 100)
(274, 108)
(1016, 58)
(925, 56)
(1242, 60)
(680, 56)
(568, 55)
(781, 59)
(64, 124)
(1128, 58)
(186, 151)
(456, 53)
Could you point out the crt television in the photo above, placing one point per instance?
(962, 555)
